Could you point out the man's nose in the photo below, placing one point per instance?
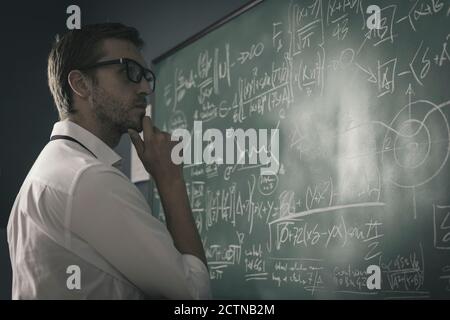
(144, 87)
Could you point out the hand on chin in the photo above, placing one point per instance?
(136, 125)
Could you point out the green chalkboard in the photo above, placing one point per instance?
(363, 176)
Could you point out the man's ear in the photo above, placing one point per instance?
(79, 83)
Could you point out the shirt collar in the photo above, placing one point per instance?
(101, 150)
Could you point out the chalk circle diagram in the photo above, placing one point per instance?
(417, 144)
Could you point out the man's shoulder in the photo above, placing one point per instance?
(61, 168)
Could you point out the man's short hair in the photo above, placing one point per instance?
(78, 48)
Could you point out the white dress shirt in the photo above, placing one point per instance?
(76, 208)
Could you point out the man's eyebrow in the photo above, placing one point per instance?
(142, 64)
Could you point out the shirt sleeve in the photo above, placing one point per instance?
(110, 214)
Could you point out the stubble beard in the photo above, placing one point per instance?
(111, 112)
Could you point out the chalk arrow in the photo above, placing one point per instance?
(410, 91)
(372, 77)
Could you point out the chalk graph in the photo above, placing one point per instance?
(418, 147)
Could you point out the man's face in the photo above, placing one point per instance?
(116, 101)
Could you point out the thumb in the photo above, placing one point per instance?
(137, 141)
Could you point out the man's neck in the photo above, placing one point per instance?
(108, 134)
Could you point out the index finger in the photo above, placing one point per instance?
(147, 127)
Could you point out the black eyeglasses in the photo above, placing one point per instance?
(135, 71)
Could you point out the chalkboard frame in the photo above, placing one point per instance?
(249, 5)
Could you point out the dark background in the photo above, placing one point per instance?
(26, 106)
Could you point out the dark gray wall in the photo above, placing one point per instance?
(26, 108)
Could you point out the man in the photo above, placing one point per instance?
(79, 229)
